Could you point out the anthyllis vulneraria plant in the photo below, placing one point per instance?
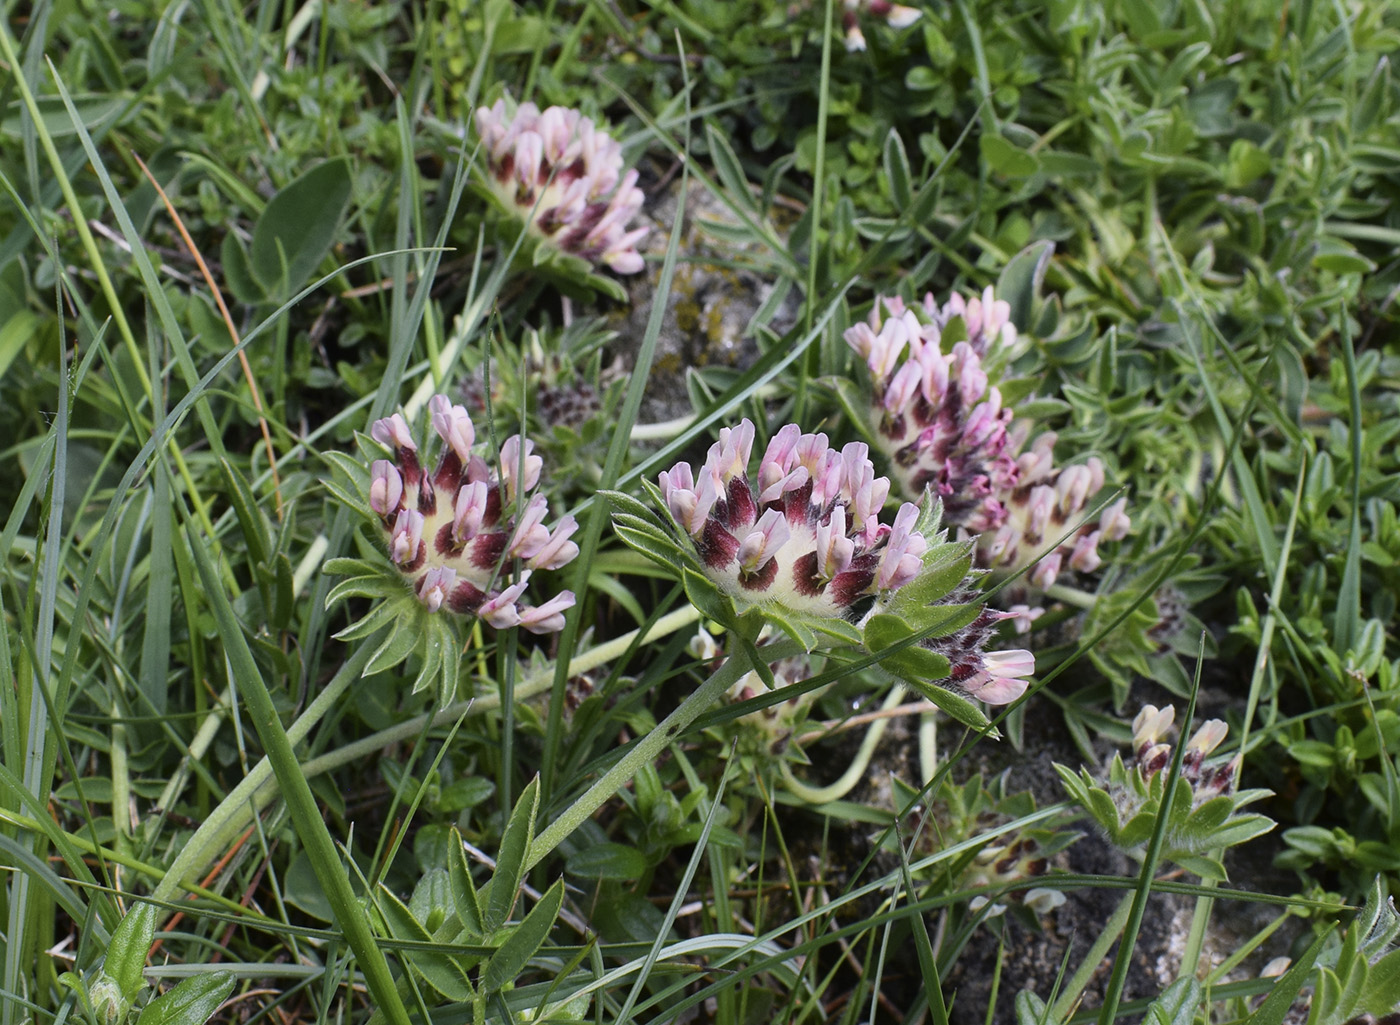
(1205, 808)
(802, 545)
(935, 413)
(463, 538)
(563, 177)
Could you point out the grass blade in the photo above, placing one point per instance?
(305, 815)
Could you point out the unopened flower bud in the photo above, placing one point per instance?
(109, 1004)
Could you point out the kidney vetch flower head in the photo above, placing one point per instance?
(563, 177)
(936, 414)
(805, 537)
(459, 533)
(1205, 813)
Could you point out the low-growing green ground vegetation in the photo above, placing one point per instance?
(699, 510)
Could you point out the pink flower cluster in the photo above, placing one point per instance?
(457, 533)
(1152, 754)
(996, 677)
(563, 175)
(943, 426)
(1041, 507)
(807, 535)
(895, 15)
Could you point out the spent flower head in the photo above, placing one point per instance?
(563, 176)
